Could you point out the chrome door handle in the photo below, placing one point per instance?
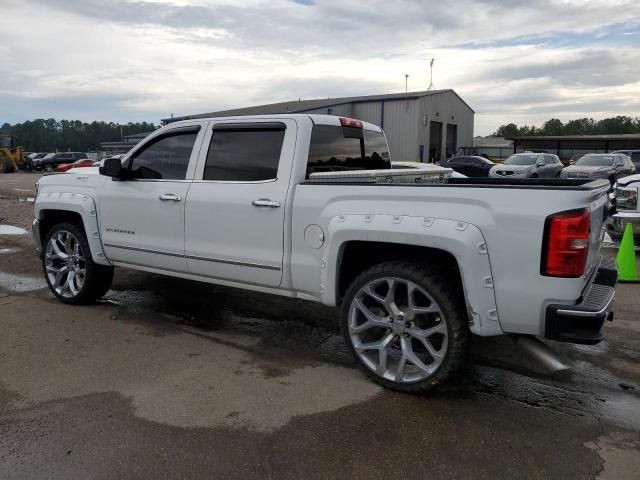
(265, 202)
(170, 197)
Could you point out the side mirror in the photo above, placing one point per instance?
(112, 167)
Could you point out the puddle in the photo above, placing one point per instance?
(9, 250)
(11, 230)
(20, 283)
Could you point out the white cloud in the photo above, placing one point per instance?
(142, 60)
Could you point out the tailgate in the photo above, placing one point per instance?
(599, 207)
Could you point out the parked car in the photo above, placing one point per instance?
(85, 162)
(415, 268)
(51, 160)
(529, 165)
(634, 155)
(600, 165)
(471, 166)
(626, 205)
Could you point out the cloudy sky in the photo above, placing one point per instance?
(512, 61)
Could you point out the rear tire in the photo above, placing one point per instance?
(405, 328)
(5, 165)
(69, 270)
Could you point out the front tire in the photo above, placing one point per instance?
(69, 270)
(405, 326)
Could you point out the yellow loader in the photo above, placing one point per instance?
(12, 158)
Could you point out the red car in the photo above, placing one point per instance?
(85, 162)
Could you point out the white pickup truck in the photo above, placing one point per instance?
(416, 268)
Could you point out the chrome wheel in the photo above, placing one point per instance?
(65, 264)
(397, 330)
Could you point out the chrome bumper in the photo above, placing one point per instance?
(582, 322)
(618, 221)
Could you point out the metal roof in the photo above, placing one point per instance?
(301, 106)
(573, 138)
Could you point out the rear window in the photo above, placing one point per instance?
(336, 149)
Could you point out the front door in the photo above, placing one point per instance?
(237, 203)
(142, 218)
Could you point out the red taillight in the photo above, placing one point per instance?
(350, 122)
(567, 243)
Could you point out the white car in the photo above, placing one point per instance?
(416, 269)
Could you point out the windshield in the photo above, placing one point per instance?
(521, 160)
(595, 161)
(49, 155)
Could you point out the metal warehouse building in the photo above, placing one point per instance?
(425, 126)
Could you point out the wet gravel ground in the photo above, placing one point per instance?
(175, 379)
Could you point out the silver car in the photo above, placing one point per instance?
(528, 165)
(600, 165)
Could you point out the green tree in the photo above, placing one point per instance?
(48, 135)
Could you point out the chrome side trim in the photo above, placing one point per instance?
(233, 262)
(194, 257)
(144, 250)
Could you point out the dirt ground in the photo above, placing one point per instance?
(174, 379)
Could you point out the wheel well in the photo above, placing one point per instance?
(357, 256)
(49, 218)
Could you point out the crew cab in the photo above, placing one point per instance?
(416, 268)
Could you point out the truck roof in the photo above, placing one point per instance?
(316, 119)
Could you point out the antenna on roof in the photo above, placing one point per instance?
(431, 87)
(406, 91)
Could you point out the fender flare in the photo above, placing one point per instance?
(464, 241)
(79, 203)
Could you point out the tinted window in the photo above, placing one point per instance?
(166, 157)
(635, 156)
(346, 148)
(521, 160)
(595, 161)
(245, 154)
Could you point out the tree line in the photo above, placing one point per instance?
(580, 126)
(50, 135)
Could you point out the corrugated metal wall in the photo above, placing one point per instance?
(406, 124)
(369, 112)
(401, 128)
(447, 108)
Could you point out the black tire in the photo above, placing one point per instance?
(535, 175)
(38, 167)
(26, 166)
(5, 165)
(444, 292)
(98, 278)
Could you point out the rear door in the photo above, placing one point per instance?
(236, 207)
